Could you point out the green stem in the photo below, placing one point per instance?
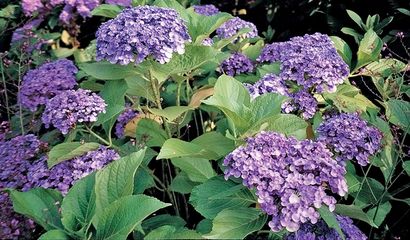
(5, 90)
(20, 108)
(98, 137)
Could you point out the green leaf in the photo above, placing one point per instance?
(356, 18)
(204, 226)
(404, 11)
(138, 86)
(182, 184)
(106, 10)
(174, 5)
(406, 167)
(171, 232)
(39, 204)
(117, 179)
(53, 235)
(170, 113)
(330, 220)
(253, 51)
(369, 49)
(69, 150)
(215, 142)
(372, 192)
(398, 113)
(383, 67)
(142, 181)
(9, 11)
(150, 131)
(266, 105)
(236, 223)
(174, 148)
(350, 31)
(216, 194)
(63, 52)
(78, 206)
(108, 71)
(354, 212)
(378, 214)
(343, 49)
(162, 220)
(269, 68)
(118, 219)
(197, 169)
(200, 26)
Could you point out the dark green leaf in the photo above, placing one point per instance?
(54, 235)
(162, 220)
(138, 86)
(108, 71)
(330, 220)
(398, 113)
(182, 184)
(171, 232)
(106, 10)
(378, 214)
(197, 169)
(354, 212)
(406, 167)
(69, 150)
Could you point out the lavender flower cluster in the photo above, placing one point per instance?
(72, 8)
(299, 101)
(311, 61)
(350, 137)
(46, 81)
(236, 64)
(72, 106)
(65, 174)
(231, 27)
(4, 129)
(206, 10)
(291, 177)
(15, 156)
(139, 32)
(123, 119)
(320, 231)
(124, 3)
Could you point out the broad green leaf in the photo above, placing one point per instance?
(106, 10)
(174, 148)
(378, 214)
(182, 184)
(404, 11)
(197, 169)
(406, 167)
(215, 142)
(253, 51)
(354, 212)
(350, 31)
(236, 223)
(343, 49)
(266, 105)
(330, 220)
(69, 150)
(217, 194)
(356, 18)
(39, 204)
(142, 181)
(63, 52)
(200, 26)
(170, 113)
(398, 113)
(369, 49)
(108, 71)
(151, 132)
(383, 67)
(118, 219)
(171, 232)
(117, 179)
(138, 86)
(78, 206)
(269, 68)
(174, 5)
(204, 226)
(53, 235)
(372, 191)
(162, 220)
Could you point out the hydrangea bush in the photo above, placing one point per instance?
(182, 122)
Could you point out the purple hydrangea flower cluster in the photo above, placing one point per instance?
(231, 27)
(31, 6)
(207, 9)
(236, 64)
(15, 156)
(320, 231)
(123, 119)
(299, 101)
(125, 3)
(207, 42)
(4, 129)
(80, 7)
(311, 61)
(350, 137)
(71, 106)
(291, 177)
(26, 31)
(139, 32)
(65, 174)
(46, 81)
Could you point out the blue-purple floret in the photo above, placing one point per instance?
(236, 64)
(45, 82)
(139, 32)
(207, 42)
(292, 178)
(16, 155)
(311, 61)
(350, 137)
(321, 231)
(70, 107)
(77, 7)
(231, 27)
(122, 121)
(207, 9)
(124, 3)
(62, 176)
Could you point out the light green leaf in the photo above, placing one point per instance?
(266, 105)
(350, 31)
(253, 51)
(174, 148)
(343, 49)
(236, 223)
(117, 179)
(200, 26)
(78, 206)
(215, 142)
(108, 71)
(106, 10)
(398, 113)
(118, 219)
(170, 113)
(354, 212)
(69, 150)
(356, 18)
(54, 235)
(269, 68)
(378, 214)
(369, 49)
(39, 204)
(217, 194)
(138, 86)
(404, 11)
(330, 220)
(197, 169)
(383, 67)
(171, 232)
